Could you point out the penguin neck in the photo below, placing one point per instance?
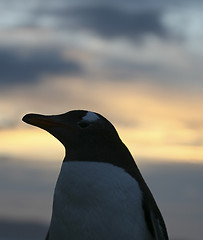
(115, 154)
(94, 152)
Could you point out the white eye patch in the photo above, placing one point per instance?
(90, 117)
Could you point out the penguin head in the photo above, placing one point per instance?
(77, 129)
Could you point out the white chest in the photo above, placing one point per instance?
(97, 201)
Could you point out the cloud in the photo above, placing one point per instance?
(27, 66)
(129, 19)
(111, 21)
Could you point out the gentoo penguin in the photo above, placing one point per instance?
(100, 193)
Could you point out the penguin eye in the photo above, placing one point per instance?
(84, 124)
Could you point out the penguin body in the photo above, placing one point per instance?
(100, 193)
(97, 200)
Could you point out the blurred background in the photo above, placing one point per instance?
(138, 63)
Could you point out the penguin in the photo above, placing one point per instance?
(100, 193)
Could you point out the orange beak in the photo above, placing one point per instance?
(41, 121)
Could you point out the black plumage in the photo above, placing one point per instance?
(89, 137)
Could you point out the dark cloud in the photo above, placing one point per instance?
(27, 66)
(107, 18)
(109, 21)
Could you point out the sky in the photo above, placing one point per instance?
(138, 63)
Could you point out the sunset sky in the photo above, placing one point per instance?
(138, 63)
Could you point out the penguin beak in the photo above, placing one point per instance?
(42, 121)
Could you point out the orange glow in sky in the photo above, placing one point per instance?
(151, 126)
